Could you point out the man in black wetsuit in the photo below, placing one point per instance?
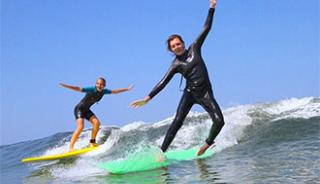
(190, 64)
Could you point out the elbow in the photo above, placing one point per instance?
(207, 28)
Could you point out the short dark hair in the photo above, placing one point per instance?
(170, 38)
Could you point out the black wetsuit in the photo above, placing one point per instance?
(198, 87)
(82, 109)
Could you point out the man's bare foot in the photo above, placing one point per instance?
(203, 149)
(71, 150)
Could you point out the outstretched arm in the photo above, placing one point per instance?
(116, 91)
(207, 26)
(165, 80)
(141, 102)
(75, 88)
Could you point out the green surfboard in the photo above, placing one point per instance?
(151, 159)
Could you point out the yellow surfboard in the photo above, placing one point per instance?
(59, 156)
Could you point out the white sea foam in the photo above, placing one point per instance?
(83, 141)
(163, 122)
(78, 171)
(105, 148)
(293, 108)
(64, 147)
(133, 126)
(288, 105)
(194, 133)
(87, 162)
(236, 120)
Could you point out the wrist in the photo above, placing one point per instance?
(213, 5)
(147, 98)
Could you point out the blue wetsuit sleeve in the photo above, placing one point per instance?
(207, 26)
(88, 89)
(107, 91)
(164, 81)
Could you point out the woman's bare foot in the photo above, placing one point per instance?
(92, 145)
(160, 157)
(203, 149)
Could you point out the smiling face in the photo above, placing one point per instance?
(100, 84)
(177, 46)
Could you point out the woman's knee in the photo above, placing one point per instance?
(80, 124)
(218, 119)
(95, 121)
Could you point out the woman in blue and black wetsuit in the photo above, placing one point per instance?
(82, 110)
(190, 64)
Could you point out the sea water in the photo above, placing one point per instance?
(276, 142)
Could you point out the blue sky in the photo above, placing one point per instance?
(257, 51)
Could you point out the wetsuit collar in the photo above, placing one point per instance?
(184, 55)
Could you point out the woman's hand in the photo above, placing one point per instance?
(139, 103)
(213, 3)
(130, 87)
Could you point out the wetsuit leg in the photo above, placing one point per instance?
(212, 107)
(82, 113)
(78, 113)
(184, 107)
(89, 114)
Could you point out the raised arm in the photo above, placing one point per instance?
(207, 26)
(116, 91)
(75, 88)
(213, 3)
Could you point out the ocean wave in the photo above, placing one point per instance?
(242, 121)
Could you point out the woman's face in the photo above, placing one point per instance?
(176, 46)
(100, 85)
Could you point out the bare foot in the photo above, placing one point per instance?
(203, 149)
(92, 145)
(71, 149)
(160, 157)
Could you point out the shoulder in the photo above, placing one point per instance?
(192, 46)
(175, 62)
(107, 91)
(88, 89)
